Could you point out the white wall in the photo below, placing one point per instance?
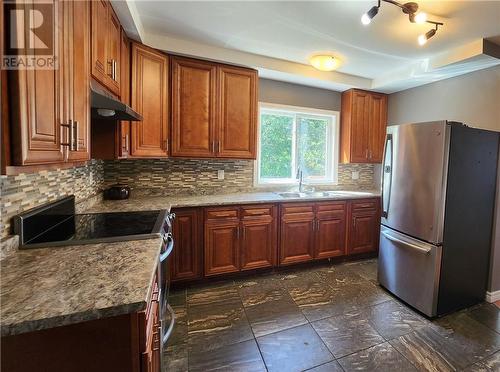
(473, 99)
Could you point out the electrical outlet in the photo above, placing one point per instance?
(355, 175)
(220, 174)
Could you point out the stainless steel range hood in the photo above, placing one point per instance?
(106, 107)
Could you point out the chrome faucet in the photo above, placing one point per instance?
(300, 176)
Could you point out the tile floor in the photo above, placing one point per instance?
(329, 318)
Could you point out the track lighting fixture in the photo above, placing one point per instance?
(422, 39)
(414, 16)
(367, 17)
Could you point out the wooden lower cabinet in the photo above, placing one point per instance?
(222, 247)
(330, 230)
(239, 238)
(187, 254)
(125, 343)
(312, 231)
(259, 238)
(297, 233)
(364, 226)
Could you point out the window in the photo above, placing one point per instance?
(293, 138)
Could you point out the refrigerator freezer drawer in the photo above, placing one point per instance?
(410, 269)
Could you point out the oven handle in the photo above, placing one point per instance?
(170, 327)
(169, 239)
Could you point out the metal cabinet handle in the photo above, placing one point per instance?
(170, 327)
(125, 145)
(69, 137)
(75, 135)
(115, 69)
(213, 147)
(218, 146)
(110, 74)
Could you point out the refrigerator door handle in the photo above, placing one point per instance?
(387, 168)
(424, 250)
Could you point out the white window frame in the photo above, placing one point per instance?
(333, 143)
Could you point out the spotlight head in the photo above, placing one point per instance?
(419, 17)
(422, 39)
(367, 17)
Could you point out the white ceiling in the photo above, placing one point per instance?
(292, 31)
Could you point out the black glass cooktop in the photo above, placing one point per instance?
(56, 224)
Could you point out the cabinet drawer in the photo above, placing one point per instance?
(221, 213)
(257, 211)
(365, 204)
(296, 208)
(331, 206)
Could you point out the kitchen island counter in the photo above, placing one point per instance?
(51, 287)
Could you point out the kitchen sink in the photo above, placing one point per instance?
(321, 194)
(310, 194)
(292, 194)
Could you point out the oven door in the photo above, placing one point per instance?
(167, 318)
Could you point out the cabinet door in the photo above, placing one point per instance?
(378, 124)
(36, 97)
(113, 51)
(258, 237)
(360, 122)
(364, 227)
(149, 98)
(193, 107)
(124, 127)
(100, 66)
(297, 233)
(237, 121)
(330, 230)
(78, 52)
(187, 253)
(222, 247)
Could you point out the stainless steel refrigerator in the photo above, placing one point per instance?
(438, 195)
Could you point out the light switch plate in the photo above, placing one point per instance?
(220, 174)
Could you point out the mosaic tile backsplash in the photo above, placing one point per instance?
(144, 176)
(195, 176)
(25, 191)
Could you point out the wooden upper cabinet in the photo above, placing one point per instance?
(194, 89)
(214, 110)
(78, 53)
(149, 137)
(51, 108)
(237, 130)
(378, 124)
(100, 67)
(363, 124)
(123, 142)
(114, 55)
(105, 45)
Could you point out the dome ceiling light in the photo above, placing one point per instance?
(414, 16)
(324, 62)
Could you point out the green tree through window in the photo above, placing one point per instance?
(290, 140)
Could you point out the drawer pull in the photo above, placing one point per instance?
(406, 244)
(364, 206)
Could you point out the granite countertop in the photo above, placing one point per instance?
(49, 287)
(138, 203)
